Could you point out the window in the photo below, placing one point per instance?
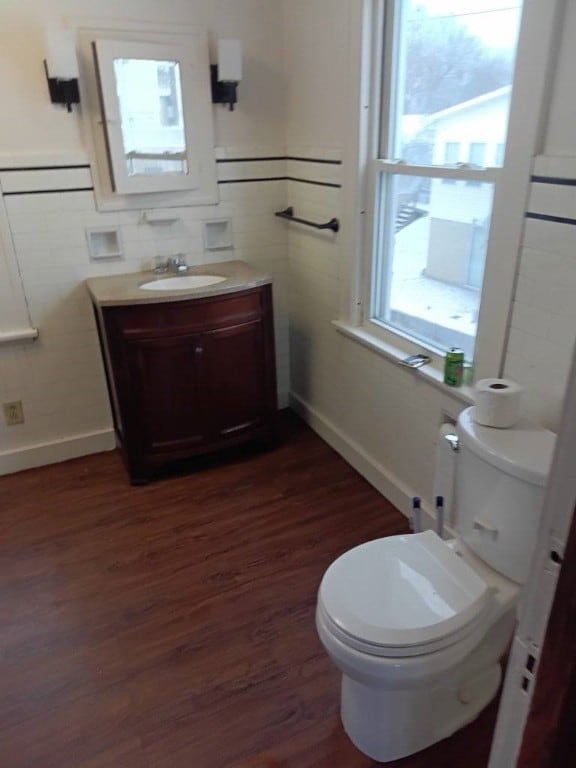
(477, 154)
(476, 158)
(451, 152)
(446, 83)
(499, 154)
(451, 156)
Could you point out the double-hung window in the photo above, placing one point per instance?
(444, 77)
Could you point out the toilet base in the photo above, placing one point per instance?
(390, 724)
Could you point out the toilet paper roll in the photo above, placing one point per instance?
(497, 403)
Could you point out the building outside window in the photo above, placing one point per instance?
(152, 118)
(447, 68)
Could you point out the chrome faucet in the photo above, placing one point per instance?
(178, 263)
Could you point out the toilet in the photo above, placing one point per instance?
(418, 625)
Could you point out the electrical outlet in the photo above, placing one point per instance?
(13, 412)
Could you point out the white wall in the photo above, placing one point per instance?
(297, 97)
(544, 312)
(383, 417)
(316, 72)
(31, 124)
(60, 377)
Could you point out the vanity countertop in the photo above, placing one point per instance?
(115, 290)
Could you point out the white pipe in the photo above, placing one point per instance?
(6, 337)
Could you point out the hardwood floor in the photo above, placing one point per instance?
(172, 625)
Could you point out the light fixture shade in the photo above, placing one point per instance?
(229, 61)
(61, 59)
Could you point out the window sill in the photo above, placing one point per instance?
(430, 373)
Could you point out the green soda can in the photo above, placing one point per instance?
(454, 367)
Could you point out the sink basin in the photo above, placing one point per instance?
(182, 283)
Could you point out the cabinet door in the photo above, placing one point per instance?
(235, 374)
(167, 405)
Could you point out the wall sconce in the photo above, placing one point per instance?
(61, 67)
(227, 73)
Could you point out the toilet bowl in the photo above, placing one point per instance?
(417, 625)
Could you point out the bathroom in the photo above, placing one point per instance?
(292, 140)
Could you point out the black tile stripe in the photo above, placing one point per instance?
(318, 183)
(247, 159)
(547, 217)
(48, 191)
(44, 168)
(314, 160)
(281, 178)
(283, 157)
(553, 180)
(248, 181)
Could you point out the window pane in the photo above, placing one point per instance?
(455, 61)
(452, 152)
(451, 157)
(150, 99)
(477, 154)
(432, 241)
(499, 154)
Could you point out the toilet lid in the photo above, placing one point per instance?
(402, 592)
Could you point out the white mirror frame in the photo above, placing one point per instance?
(198, 116)
(106, 51)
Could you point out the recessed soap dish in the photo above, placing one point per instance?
(217, 234)
(104, 244)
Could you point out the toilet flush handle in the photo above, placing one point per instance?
(486, 530)
(453, 441)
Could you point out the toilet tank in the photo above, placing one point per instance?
(501, 476)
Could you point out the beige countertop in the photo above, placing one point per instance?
(116, 290)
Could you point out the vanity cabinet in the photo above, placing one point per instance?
(189, 377)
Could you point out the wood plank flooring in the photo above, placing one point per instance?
(172, 625)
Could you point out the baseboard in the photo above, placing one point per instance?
(386, 482)
(57, 450)
(52, 452)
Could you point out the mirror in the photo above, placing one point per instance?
(151, 116)
(157, 116)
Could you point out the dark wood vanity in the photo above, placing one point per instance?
(187, 377)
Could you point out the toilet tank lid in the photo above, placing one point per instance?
(524, 451)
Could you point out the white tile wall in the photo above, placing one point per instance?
(385, 410)
(543, 321)
(60, 377)
(32, 180)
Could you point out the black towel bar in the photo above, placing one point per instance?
(288, 214)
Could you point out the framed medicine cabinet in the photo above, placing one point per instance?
(148, 116)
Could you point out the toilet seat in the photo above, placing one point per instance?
(404, 595)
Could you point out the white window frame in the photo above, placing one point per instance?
(384, 168)
(534, 61)
(173, 41)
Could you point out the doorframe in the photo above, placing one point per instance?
(549, 738)
(535, 726)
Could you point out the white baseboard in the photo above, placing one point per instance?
(55, 451)
(66, 448)
(386, 482)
